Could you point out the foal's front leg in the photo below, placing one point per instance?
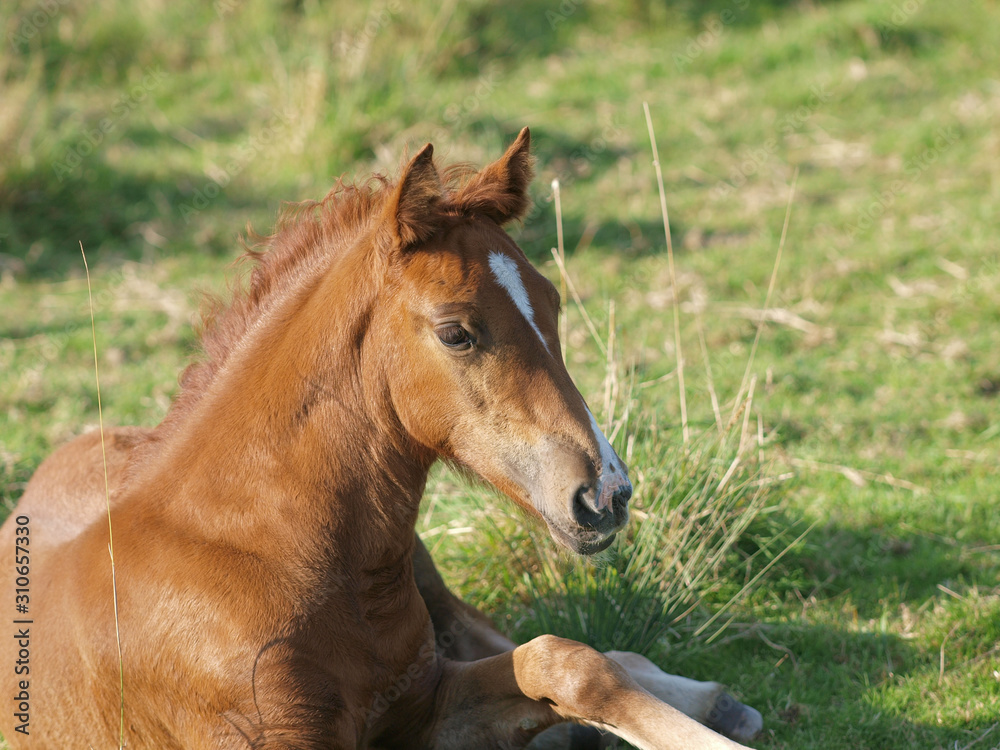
(706, 702)
(465, 634)
(505, 700)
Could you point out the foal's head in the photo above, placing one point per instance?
(475, 372)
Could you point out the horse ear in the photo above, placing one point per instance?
(411, 214)
(500, 190)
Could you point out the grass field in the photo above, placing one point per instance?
(153, 132)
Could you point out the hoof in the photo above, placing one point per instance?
(734, 719)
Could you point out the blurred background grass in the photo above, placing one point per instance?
(152, 132)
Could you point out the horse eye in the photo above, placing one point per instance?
(454, 337)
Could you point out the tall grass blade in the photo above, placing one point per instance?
(673, 275)
(767, 297)
(107, 498)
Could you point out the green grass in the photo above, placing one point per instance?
(877, 381)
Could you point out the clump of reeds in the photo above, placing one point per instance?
(683, 562)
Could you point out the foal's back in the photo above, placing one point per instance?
(64, 501)
(71, 678)
(67, 492)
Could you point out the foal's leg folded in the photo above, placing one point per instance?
(505, 700)
(464, 634)
(706, 702)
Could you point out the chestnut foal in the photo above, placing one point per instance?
(264, 532)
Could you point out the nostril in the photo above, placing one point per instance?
(622, 495)
(585, 506)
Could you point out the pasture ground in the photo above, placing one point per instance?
(153, 132)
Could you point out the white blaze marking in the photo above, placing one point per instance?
(612, 475)
(609, 459)
(509, 277)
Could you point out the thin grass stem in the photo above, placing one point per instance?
(770, 292)
(561, 262)
(107, 498)
(673, 276)
(579, 302)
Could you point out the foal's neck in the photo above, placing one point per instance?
(289, 450)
